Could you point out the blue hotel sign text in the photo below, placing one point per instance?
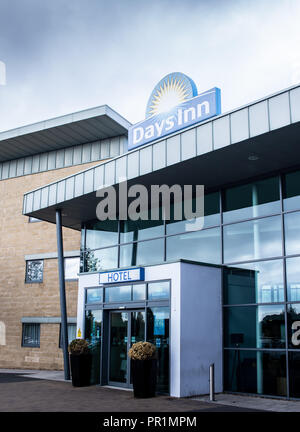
(127, 275)
(173, 105)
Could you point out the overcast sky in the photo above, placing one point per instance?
(63, 56)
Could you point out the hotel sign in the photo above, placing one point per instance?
(127, 275)
(173, 105)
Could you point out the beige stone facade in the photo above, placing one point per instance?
(19, 299)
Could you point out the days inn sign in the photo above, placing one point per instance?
(174, 104)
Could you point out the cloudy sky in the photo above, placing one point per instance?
(63, 56)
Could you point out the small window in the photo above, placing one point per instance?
(94, 295)
(72, 268)
(33, 219)
(158, 290)
(71, 334)
(34, 271)
(31, 335)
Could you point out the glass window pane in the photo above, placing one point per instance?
(260, 282)
(150, 252)
(101, 259)
(138, 292)
(292, 233)
(72, 268)
(254, 326)
(294, 325)
(34, 271)
(255, 372)
(158, 290)
(294, 373)
(31, 335)
(251, 200)
(250, 240)
(118, 293)
(101, 234)
(71, 334)
(211, 215)
(291, 191)
(128, 255)
(158, 319)
(93, 321)
(202, 246)
(94, 295)
(141, 229)
(293, 278)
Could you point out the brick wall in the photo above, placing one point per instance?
(18, 299)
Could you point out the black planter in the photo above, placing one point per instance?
(144, 374)
(81, 369)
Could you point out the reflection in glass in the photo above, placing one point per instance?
(118, 293)
(138, 292)
(291, 191)
(211, 215)
(293, 278)
(101, 259)
(118, 347)
(93, 320)
(158, 290)
(202, 246)
(150, 252)
(250, 240)
(101, 234)
(141, 229)
(251, 200)
(158, 334)
(254, 326)
(293, 315)
(258, 282)
(94, 295)
(292, 233)
(294, 373)
(258, 372)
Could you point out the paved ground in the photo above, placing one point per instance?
(20, 391)
(255, 403)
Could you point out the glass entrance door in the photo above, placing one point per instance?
(126, 328)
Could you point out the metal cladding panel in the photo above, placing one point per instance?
(70, 188)
(121, 169)
(145, 160)
(36, 200)
(88, 185)
(61, 187)
(259, 118)
(159, 155)
(188, 144)
(133, 164)
(98, 177)
(173, 150)
(295, 104)
(221, 131)
(204, 138)
(279, 108)
(109, 173)
(239, 123)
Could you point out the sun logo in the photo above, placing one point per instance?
(171, 91)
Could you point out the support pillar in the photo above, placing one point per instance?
(62, 291)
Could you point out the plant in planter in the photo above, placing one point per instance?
(143, 369)
(81, 362)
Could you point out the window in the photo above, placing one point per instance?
(31, 335)
(251, 200)
(292, 233)
(71, 334)
(291, 191)
(33, 219)
(203, 246)
(94, 295)
(101, 234)
(258, 282)
(250, 240)
(72, 268)
(34, 271)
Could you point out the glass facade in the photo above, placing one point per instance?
(253, 230)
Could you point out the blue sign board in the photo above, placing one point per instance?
(173, 105)
(127, 275)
